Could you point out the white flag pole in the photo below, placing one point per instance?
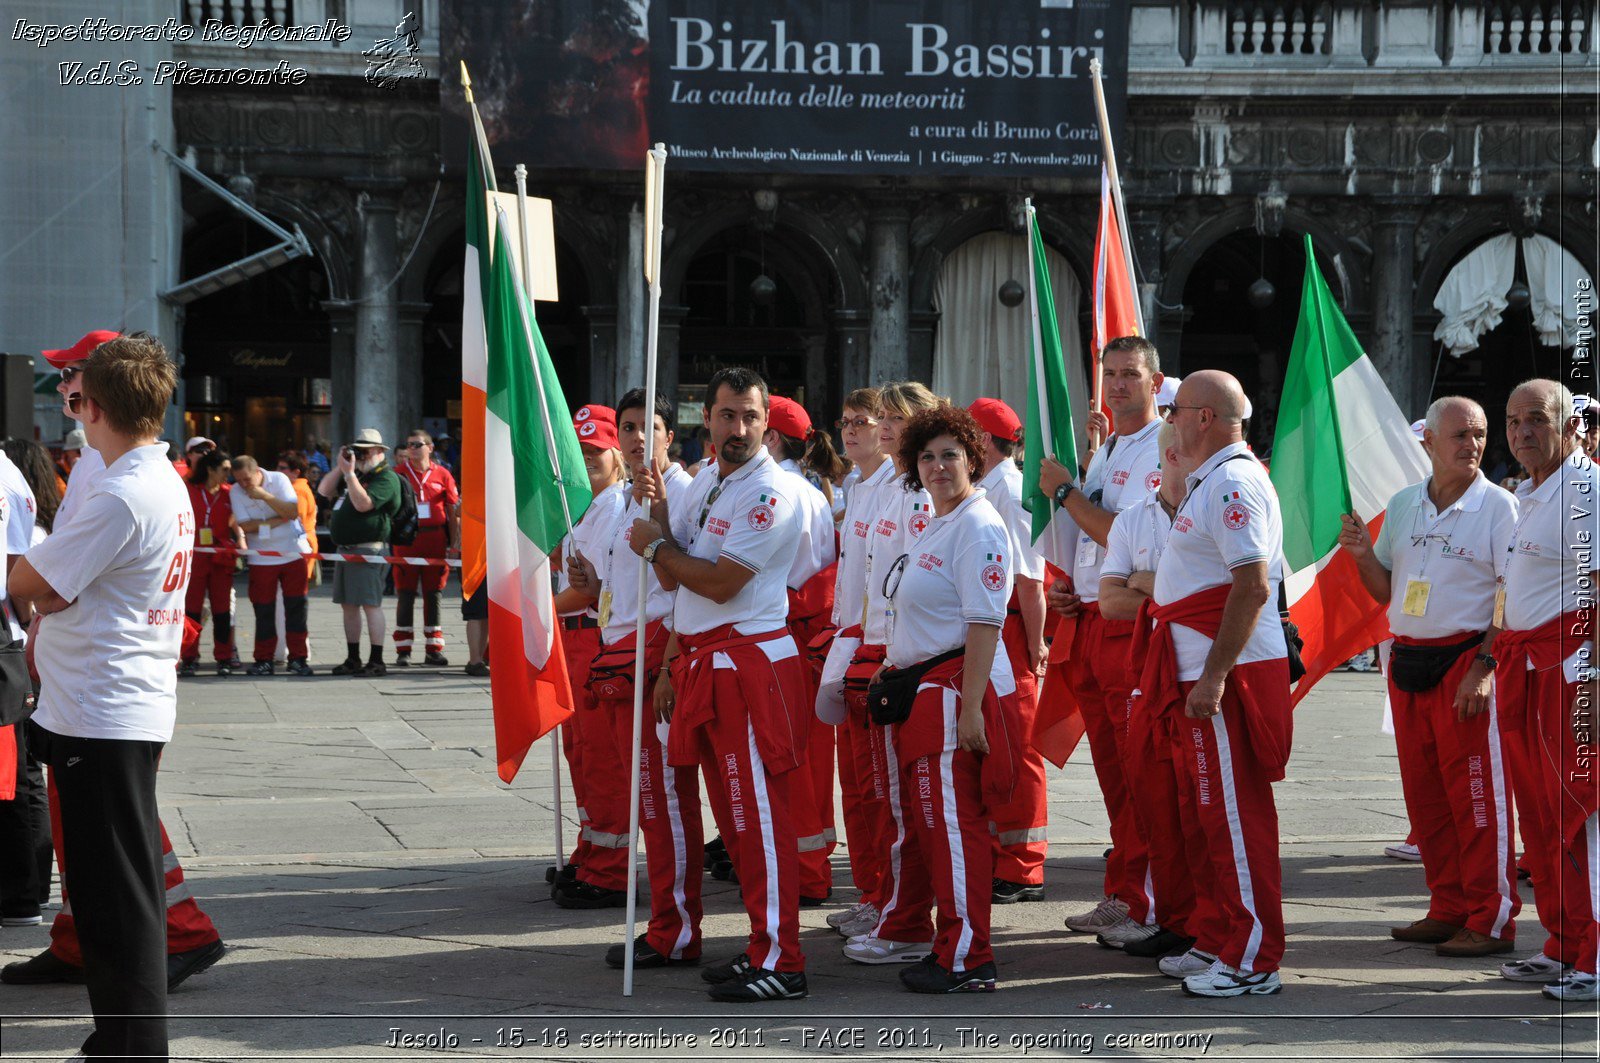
(525, 308)
(1040, 393)
(654, 184)
(1116, 197)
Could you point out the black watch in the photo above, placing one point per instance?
(1488, 661)
(1062, 492)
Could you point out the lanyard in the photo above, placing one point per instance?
(1421, 540)
(417, 481)
(210, 501)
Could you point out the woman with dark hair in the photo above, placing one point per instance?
(958, 741)
(211, 573)
(826, 470)
(33, 461)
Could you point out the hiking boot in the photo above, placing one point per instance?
(1004, 891)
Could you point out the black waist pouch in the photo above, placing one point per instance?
(1418, 669)
(889, 700)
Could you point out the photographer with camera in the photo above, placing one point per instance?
(366, 499)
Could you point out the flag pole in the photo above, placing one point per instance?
(525, 309)
(1047, 444)
(1126, 250)
(655, 166)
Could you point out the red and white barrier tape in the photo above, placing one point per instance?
(359, 559)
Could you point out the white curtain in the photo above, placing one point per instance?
(982, 347)
(1473, 296)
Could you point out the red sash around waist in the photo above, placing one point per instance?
(775, 702)
(1541, 647)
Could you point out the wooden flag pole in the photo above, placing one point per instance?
(525, 307)
(1126, 250)
(655, 167)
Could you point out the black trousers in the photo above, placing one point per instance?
(25, 856)
(111, 852)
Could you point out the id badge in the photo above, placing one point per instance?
(424, 510)
(1500, 604)
(605, 608)
(1416, 599)
(205, 536)
(1088, 551)
(338, 502)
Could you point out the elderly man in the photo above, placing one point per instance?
(1218, 668)
(1546, 682)
(1437, 564)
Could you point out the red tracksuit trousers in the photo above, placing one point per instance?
(580, 645)
(1458, 796)
(1021, 825)
(1235, 812)
(1163, 805)
(1099, 675)
(863, 808)
(187, 926)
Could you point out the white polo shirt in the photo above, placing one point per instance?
(1550, 564)
(618, 568)
(1123, 471)
(816, 550)
(850, 580)
(1458, 553)
(19, 508)
(898, 524)
(755, 520)
(80, 485)
(287, 538)
(1003, 487)
(1137, 539)
(108, 662)
(1230, 518)
(591, 535)
(957, 573)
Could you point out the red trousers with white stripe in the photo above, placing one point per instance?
(1099, 675)
(1164, 808)
(1234, 808)
(952, 861)
(867, 823)
(1458, 796)
(1564, 854)
(187, 926)
(580, 645)
(905, 890)
(1021, 825)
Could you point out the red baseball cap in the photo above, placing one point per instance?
(596, 426)
(789, 417)
(996, 418)
(80, 350)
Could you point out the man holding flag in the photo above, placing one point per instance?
(1122, 474)
(739, 680)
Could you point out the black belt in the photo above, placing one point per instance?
(578, 623)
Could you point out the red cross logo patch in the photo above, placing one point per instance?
(761, 517)
(1152, 480)
(1235, 516)
(994, 577)
(919, 524)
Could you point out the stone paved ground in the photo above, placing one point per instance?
(374, 880)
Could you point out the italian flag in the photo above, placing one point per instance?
(1342, 446)
(474, 357)
(532, 456)
(1116, 302)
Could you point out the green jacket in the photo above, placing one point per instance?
(349, 525)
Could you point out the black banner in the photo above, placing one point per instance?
(999, 88)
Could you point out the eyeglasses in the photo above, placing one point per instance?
(1174, 408)
(415, 444)
(858, 423)
(69, 372)
(711, 499)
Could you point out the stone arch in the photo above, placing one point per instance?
(845, 275)
(1060, 230)
(1351, 280)
(1474, 230)
(333, 251)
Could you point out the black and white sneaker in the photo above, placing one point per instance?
(1221, 980)
(1004, 891)
(929, 977)
(759, 984)
(298, 666)
(188, 669)
(260, 668)
(727, 972)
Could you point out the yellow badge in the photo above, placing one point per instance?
(205, 536)
(605, 608)
(1500, 604)
(1416, 600)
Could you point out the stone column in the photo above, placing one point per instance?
(342, 369)
(600, 325)
(851, 327)
(1392, 348)
(408, 368)
(631, 295)
(889, 242)
(377, 307)
(667, 345)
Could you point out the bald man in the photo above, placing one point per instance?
(1436, 565)
(1217, 669)
(1545, 683)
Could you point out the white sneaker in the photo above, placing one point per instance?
(879, 950)
(1221, 980)
(852, 914)
(1403, 851)
(1576, 985)
(1125, 932)
(1108, 912)
(1192, 962)
(1536, 968)
(862, 925)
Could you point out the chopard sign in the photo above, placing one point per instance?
(249, 359)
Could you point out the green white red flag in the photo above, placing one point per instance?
(474, 356)
(1342, 446)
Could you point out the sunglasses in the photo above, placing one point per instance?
(69, 372)
(415, 444)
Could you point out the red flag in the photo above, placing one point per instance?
(1116, 301)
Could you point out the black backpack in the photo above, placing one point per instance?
(403, 525)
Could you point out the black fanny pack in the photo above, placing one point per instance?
(1418, 669)
(889, 700)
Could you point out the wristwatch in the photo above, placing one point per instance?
(1062, 492)
(650, 551)
(1488, 661)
